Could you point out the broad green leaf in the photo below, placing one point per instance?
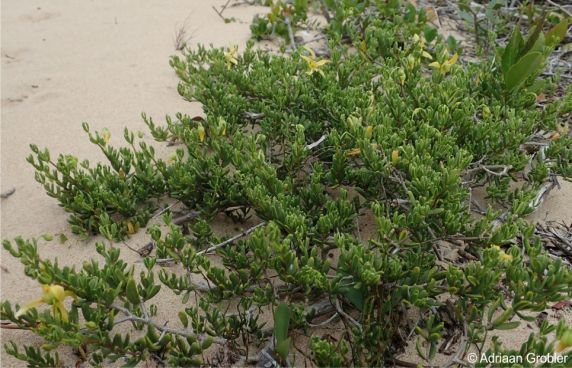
(538, 86)
(521, 71)
(512, 50)
(410, 14)
(355, 296)
(281, 322)
(430, 33)
(533, 35)
(452, 43)
(556, 34)
(539, 45)
(283, 348)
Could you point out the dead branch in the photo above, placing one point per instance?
(219, 12)
(290, 32)
(186, 218)
(231, 240)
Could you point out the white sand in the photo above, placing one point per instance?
(104, 62)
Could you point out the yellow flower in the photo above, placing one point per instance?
(505, 257)
(394, 156)
(368, 131)
(231, 56)
(222, 126)
(401, 75)
(106, 135)
(486, 112)
(565, 341)
(446, 65)
(201, 131)
(502, 255)
(54, 295)
(313, 64)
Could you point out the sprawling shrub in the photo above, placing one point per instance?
(389, 127)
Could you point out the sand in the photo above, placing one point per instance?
(104, 62)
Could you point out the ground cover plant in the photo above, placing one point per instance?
(389, 125)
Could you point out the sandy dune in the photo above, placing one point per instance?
(104, 62)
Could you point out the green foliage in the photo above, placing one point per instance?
(281, 323)
(485, 21)
(110, 199)
(394, 128)
(522, 59)
(535, 348)
(34, 357)
(432, 334)
(276, 22)
(328, 354)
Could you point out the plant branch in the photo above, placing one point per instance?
(133, 318)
